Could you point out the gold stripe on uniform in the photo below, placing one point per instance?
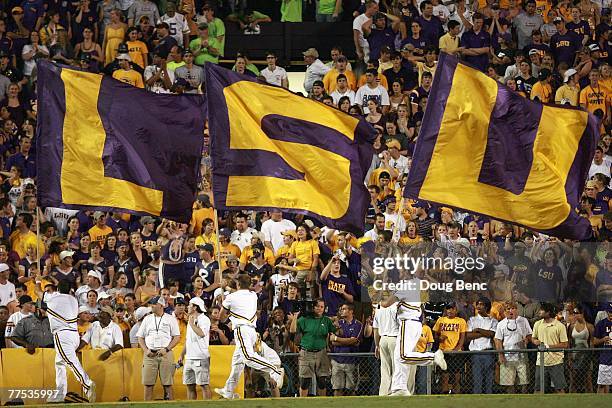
(70, 363)
(246, 355)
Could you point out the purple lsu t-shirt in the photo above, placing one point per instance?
(603, 329)
(348, 329)
(332, 292)
(482, 39)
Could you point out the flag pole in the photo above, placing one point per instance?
(38, 241)
(218, 252)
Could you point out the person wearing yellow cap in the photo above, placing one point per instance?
(289, 237)
(396, 164)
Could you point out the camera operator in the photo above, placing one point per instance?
(313, 330)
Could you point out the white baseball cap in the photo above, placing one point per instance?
(568, 74)
(83, 309)
(95, 274)
(4, 267)
(198, 302)
(103, 295)
(141, 312)
(65, 254)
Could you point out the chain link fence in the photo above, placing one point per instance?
(469, 372)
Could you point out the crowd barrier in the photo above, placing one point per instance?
(116, 378)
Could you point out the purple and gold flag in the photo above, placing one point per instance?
(271, 148)
(103, 144)
(486, 149)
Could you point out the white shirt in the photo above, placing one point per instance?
(409, 305)
(7, 293)
(197, 347)
(279, 281)
(274, 77)
(358, 25)
(62, 310)
(99, 337)
(314, 72)
(134, 333)
(81, 294)
(603, 168)
(158, 331)
(401, 164)
(391, 220)
(178, 26)
(512, 333)
(442, 12)
(336, 95)
(60, 216)
(365, 93)
(242, 239)
(385, 321)
(12, 323)
(157, 87)
(371, 234)
(486, 323)
(242, 307)
(272, 230)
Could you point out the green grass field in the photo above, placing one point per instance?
(433, 401)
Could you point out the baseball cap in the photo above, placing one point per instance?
(4, 267)
(591, 184)
(394, 143)
(141, 312)
(384, 175)
(157, 300)
(122, 48)
(203, 26)
(544, 73)
(16, 9)
(124, 57)
(608, 307)
(207, 247)
(122, 244)
(187, 51)
(318, 83)
(95, 274)
(342, 58)
(568, 74)
(103, 296)
(379, 16)
(594, 47)
(446, 210)
(408, 47)
(179, 301)
(557, 20)
(25, 299)
(65, 254)
(83, 309)
(225, 232)
(450, 305)
(311, 52)
(198, 302)
(290, 233)
(107, 309)
(533, 51)
(98, 214)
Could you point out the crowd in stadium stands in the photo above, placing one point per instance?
(554, 52)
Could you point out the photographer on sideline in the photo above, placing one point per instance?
(313, 330)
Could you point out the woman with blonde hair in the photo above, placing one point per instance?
(114, 34)
(148, 289)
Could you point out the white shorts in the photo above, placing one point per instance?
(196, 372)
(604, 377)
(510, 370)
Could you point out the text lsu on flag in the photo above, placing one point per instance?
(106, 145)
(488, 150)
(272, 149)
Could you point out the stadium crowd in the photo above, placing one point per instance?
(123, 268)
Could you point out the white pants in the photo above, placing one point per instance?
(405, 356)
(386, 348)
(244, 354)
(66, 344)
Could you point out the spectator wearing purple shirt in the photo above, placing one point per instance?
(23, 159)
(33, 14)
(579, 26)
(564, 44)
(416, 39)
(603, 339)
(337, 288)
(380, 34)
(431, 25)
(476, 43)
(347, 339)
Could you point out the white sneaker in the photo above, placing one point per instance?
(400, 393)
(439, 359)
(281, 380)
(91, 393)
(223, 393)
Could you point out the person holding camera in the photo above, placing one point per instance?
(313, 330)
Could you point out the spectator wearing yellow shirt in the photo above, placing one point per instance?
(100, 230)
(419, 373)
(569, 92)
(594, 97)
(137, 49)
(33, 282)
(181, 317)
(429, 65)
(201, 211)
(226, 248)
(84, 321)
(305, 254)
(289, 237)
(411, 235)
(329, 80)
(450, 332)
(551, 334)
(126, 73)
(542, 89)
(449, 42)
(208, 236)
(22, 237)
(247, 252)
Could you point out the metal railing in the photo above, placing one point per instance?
(473, 372)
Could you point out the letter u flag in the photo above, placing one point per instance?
(485, 149)
(103, 144)
(272, 149)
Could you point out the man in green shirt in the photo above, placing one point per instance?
(249, 20)
(216, 28)
(204, 48)
(291, 11)
(313, 332)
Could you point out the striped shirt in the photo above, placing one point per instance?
(62, 311)
(242, 307)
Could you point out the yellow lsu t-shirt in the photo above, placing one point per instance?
(304, 251)
(129, 77)
(137, 51)
(452, 329)
(425, 339)
(594, 98)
